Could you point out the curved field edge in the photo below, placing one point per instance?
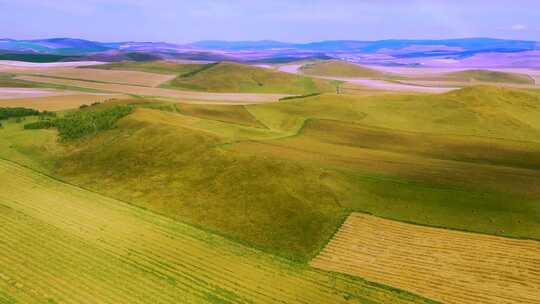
(65, 244)
(427, 260)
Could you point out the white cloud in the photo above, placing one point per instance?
(519, 27)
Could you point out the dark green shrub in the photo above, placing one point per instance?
(46, 114)
(42, 124)
(299, 96)
(6, 113)
(82, 123)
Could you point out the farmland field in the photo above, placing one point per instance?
(331, 154)
(448, 266)
(93, 247)
(253, 178)
(57, 103)
(110, 76)
(148, 91)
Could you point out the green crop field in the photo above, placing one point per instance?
(77, 246)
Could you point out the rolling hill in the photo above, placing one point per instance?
(489, 76)
(234, 77)
(336, 68)
(282, 177)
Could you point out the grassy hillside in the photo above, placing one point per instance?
(162, 67)
(225, 113)
(336, 68)
(63, 244)
(282, 177)
(489, 76)
(234, 77)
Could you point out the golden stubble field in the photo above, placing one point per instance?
(444, 265)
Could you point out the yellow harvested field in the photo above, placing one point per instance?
(63, 244)
(57, 103)
(236, 98)
(444, 265)
(122, 77)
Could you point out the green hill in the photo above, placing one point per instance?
(281, 177)
(489, 76)
(234, 77)
(336, 68)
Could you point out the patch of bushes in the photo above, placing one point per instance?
(84, 106)
(81, 123)
(46, 115)
(42, 124)
(197, 71)
(299, 96)
(6, 113)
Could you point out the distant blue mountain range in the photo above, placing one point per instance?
(468, 44)
(65, 49)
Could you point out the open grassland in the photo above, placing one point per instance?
(322, 157)
(448, 266)
(336, 68)
(235, 114)
(57, 103)
(480, 111)
(233, 77)
(34, 149)
(173, 164)
(240, 98)
(162, 67)
(282, 177)
(62, 244)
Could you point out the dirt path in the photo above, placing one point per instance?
(444, 265)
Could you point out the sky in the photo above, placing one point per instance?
(182, 21)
